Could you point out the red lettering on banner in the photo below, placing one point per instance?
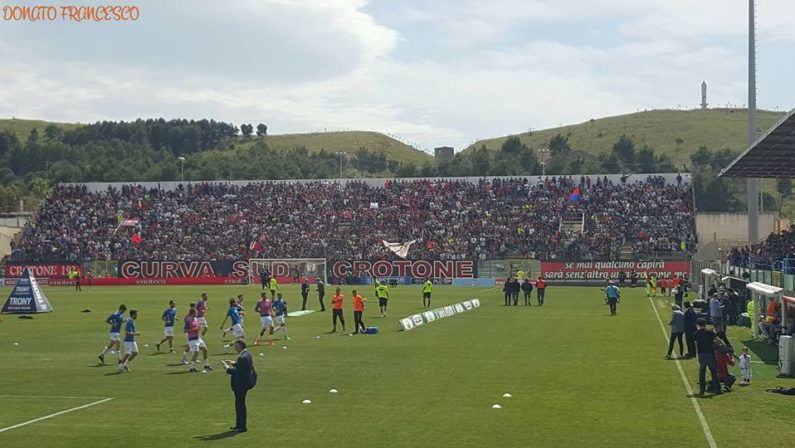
(41, 270)
(205, 269)
(443, 269)
(130, 269)
(150, 269)
(403, 266)
(361, 266)
(280, 269)
(421, 269)
(340, 269)
(465, 269)
(382, 268)
(240, 269)
(169, 269)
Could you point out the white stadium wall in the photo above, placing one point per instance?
(375, 182)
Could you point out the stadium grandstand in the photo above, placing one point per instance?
(770, 156)
(562, 218)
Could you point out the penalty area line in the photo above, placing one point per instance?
(696, 407)
(65, 411)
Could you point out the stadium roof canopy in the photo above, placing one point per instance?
(771, 156)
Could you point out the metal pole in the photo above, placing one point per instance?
(752, 184)
(182, 170)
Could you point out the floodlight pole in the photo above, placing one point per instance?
(752, 184)
(181, 168)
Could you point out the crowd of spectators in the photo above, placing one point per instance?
(449, 219)
(776, 252)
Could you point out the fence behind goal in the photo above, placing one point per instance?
(287, 270)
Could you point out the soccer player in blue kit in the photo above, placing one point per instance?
(168, 317)
(130, 346)
(234, 313)
(114, 320)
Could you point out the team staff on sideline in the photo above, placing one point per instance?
(541, 289)
(677, 324)
(336, 312)
(613, 296)
(427, 287)
(115, 321)
(705, 340)
(382, 292)
(321, 292)
(168, 317)
(304, 293)
(243, 378)
(130, 346)
(527, 288)
(358, 310)
(691, 319)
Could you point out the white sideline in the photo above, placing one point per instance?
(699, 414)
(65, 411)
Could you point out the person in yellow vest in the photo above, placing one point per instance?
(273, 287)
(520, 275)
(750, 310)
(427, 287)
(382, 292)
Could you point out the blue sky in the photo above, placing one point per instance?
(442, 72)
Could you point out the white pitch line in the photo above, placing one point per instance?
(65, 411)
(696, 407)
(49, 396)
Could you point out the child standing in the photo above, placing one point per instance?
(745, 367)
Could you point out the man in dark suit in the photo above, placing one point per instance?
(242, 372)
(691, 318)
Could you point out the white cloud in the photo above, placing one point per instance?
(432, 73)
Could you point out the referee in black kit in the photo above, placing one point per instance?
(244, 377)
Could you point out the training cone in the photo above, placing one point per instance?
(496, 406)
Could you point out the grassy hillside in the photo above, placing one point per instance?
(350, 141)
(22, 127)
(671, 132)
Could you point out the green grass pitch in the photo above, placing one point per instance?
(578, 378)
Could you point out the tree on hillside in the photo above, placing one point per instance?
(559, 145)
(247, 130)
(512, 145)
(624, 150)
(53, 132)
(262, 130)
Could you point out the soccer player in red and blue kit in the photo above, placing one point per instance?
(265, 312)
(201, 308)
(195, 342)
(114, 320)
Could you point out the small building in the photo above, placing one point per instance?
(443, 154)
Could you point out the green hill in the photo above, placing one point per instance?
(671, 132)
(22, 127)
(347, 141)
